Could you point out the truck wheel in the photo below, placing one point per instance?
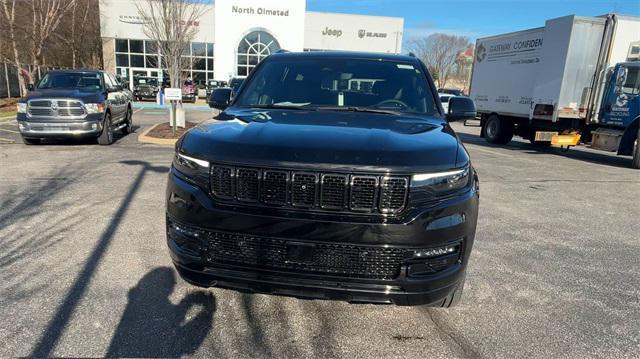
(31, 141)
(106, 137)
(498, 130)
(454, 298)
(129, 127)
(636, 152)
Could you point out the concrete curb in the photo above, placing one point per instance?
(143, 138)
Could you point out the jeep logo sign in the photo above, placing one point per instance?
(332, 32)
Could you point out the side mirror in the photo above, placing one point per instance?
(621, 79)
(30, 87)
(112, 89)
(220, 98)
(461, 108)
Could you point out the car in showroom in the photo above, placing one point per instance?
(145, 88)
(73, 104)
(189, 91)
(307, 186)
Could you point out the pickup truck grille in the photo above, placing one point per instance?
(56, 109)
(309, 190)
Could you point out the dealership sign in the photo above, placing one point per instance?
(364, 33)
(332, 32)
(258, 11)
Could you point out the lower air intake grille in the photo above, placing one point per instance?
(324, 258)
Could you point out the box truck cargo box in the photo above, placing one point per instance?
(548, 72)
(577, 79)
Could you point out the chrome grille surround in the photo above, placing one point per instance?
(56, 109)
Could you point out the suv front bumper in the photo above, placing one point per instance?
(193, 209)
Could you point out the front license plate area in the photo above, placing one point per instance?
(300, 253)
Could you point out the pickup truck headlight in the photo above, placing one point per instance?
(192, 169)
(94, 107)
(449, 181)
(22, 107)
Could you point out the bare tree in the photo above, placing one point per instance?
(9, 15)
(440, 53)
(80, 33)
(173, 23)
(46, 17)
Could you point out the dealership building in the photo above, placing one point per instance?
(234, 35)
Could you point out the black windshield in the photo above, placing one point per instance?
(355, 83)
(85, 80)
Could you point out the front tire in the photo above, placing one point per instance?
(453, 299)
(636, 152)
(30, 141)
(106, 137)
(129, 127)
(498, 131)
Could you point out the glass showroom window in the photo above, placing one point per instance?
(199, 63)
(253, 48)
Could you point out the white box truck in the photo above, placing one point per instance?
(577, 79)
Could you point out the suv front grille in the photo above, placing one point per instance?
(310, 190)
(338, 259)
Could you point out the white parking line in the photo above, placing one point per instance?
(482, 149)
(12, 131)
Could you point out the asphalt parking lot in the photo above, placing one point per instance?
(84, 269)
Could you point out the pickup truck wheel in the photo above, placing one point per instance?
(106, 137)
(129, 127)
(31, 141)
(636, 152)
(498, 130)
(454, 298)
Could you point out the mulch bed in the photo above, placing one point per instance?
(8, 104)
(164, 130)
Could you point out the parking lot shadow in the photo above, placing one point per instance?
(600, 158)
(153, 327)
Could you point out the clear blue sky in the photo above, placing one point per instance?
(474, 18)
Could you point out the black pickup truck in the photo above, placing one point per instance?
(72, 104)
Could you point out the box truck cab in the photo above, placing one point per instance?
(573, 81)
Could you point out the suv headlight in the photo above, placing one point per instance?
(442, 182)
(94, 107)
(22, 107)
(192, 169)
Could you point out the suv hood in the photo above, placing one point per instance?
(87, 96)
(327, 139)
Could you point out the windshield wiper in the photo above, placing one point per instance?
(357, 109)
(281, 107)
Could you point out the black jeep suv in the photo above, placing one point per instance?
(329, 175)
(75, 103)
